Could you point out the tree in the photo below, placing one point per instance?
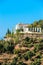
(30, 26)
(41, 23)
(35, 24)
(8, 32)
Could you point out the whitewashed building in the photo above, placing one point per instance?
(27, 29)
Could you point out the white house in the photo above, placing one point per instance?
(27, 29)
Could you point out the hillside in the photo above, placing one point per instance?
(20, 49)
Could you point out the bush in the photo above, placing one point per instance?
(28, 55)
(14, 61)
(36, 62)
(27, 39)
(16, 51)
(1, 47)
(21, 63)
(8, 46)
(38, 47)
(30, 45)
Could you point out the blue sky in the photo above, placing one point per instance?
(19, 11)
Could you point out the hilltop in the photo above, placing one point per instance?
(19, 49)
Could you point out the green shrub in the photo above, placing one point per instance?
(14, 61)
(16, 51)
(30, 45)
(1, 47)
(21, 63)
(28, 55)
(38, 47)
(27, 39)
(36, 62)
(8, 46)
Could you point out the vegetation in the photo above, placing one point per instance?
(36, 62)
(6, 47)
(28, 55)
(23, 55)
(37, 24)
(19, 51)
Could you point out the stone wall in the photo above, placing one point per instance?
(32, 35)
